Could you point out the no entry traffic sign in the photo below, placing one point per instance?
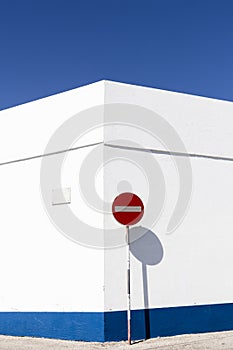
(127, 208)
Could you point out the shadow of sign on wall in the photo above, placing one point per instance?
(148, 249)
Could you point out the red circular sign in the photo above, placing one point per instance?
(127, 208)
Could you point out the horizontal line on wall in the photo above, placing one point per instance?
(50, 154)
(170, 153)
(148, 150)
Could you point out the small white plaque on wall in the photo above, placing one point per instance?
(61, 196)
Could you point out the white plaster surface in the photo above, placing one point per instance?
(42, 270)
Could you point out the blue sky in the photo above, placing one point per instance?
(49, 46)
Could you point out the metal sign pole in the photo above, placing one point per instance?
(128, 285)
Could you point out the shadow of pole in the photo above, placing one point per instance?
(146, 301)
(147, 248)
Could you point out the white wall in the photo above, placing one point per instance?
(26, 129)
(197, 262)
(204, 124)
(40, 269)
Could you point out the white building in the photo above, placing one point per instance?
(62, 254)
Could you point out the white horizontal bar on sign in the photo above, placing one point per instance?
(128, 209)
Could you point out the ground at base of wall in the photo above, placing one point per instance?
(212, 341)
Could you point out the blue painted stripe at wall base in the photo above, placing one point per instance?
(86, 326)
(112, 326)
(184, 320)
(170, 321)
